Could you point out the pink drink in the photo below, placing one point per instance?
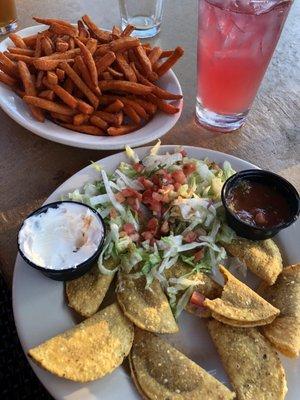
(236, 40)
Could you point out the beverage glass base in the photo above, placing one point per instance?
(8, 28)
(219, 122)
(144, 26)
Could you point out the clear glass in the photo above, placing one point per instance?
(236, 40)
(8, 16)
(144, 15)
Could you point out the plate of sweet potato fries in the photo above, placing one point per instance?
(83, 86)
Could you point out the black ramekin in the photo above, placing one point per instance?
(246, 230)
(68, 273)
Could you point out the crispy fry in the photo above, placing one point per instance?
(116, 32)
(61, 46)
(114, 107)
(8, 71)
(80, 119)
(84, 107)
(17, 40)
(19, 57)
(63, 56)
(107, 76)
(88, 58)
(52, 78)
(60, 29)
(114, 73)
(80, 84)
(69, 85)
(39, 79)
(155, 54)
(132, 114)
(38, 45)
(7, 79)
(137, 107)
(20, 50)
(30, 90)
(60, 74)
(125, 86)
(148, 106)
(49, 105)
(114, 119)
(161, 105)
(104, 62)
(128, 30)
(47, 94)
(71, 43)
(102, 36)
(144, 60)
(47, 64)
(47, 46)
(166, 53)
(91, 44)
(121, 130)
(51, 21)
(121, 44)
(30, 40)
(65, 118)
(97, 121)
(89, 129)
(166, 65)
(65, 96)
(81, 66)
(83, 32)
(125, 67)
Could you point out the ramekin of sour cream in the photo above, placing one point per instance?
(62, 239)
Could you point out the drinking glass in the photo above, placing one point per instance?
(8, 16)
(236, 40)
(144, 15)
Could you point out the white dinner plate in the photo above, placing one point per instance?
(158, 126)
(40, 308)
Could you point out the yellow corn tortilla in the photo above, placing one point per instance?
(239, 305)
(284, 331)
(90, 350)
(148, 309)
(251, 363)
(86, 293)
(162, 372)
(263, 258)
(208, 288)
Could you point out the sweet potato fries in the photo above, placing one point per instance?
(87, 79)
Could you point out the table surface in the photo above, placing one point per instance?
(32, 167)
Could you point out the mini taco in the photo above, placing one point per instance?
(239, 305)
(147, 308)
(161, 372)
(90, 350)
(251, 363)
(86, 293)
(284, 331)
(263, 258)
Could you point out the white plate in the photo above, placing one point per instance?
(40, 309)
(157, 127)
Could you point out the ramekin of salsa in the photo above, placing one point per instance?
(259, 203)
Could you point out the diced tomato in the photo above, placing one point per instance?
(166, 198)
(119, 197)
(189, 168)
(147, 235)
(190, 237)
(134, 203)
(129, 192)
(145, 182)
(177, 186)
(152, 225)
(183, 153)
(199, 255)
(155, 206)
(128, 228)
(156, 179)
(147, 197)
(138, 167)
(165, 227)
(179, 176)
(197, 299)
(156, 196)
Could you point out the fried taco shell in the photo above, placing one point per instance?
(86, 293)
(148, 309)
(239, 305)
(162, 372)
(90, 350)
(284, 331)
(263, 258)
(251, 363)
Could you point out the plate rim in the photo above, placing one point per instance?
(38, 128)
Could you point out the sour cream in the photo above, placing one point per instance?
(62, 237)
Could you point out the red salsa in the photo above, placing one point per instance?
(258, 204)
